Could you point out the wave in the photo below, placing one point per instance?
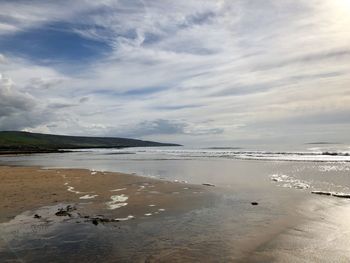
(313, 155)
(316, 156)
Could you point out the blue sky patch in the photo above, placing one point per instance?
(53, 43)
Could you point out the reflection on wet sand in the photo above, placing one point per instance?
(63, 214)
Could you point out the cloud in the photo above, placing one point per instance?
(158, 127)
(180, 70)
(11, 100)
(164, 127)
(2, 59)
(43, 83)
(19, 110)
(84, 99)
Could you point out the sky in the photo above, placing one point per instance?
(195, 72)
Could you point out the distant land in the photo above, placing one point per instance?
(322, 143)
(26, 142)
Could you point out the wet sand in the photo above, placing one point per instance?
(114, 195)
(322, 235)
(116, 217)
(74, 215)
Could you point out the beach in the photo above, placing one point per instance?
(322, 235)
(204, 210)
(27, 188)
(36, 201)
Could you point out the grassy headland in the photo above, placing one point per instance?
(26, 142)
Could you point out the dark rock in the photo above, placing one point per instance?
(37, 216)
(62, 212)
(321, 193)
(254, 203)
(101, 219)
(208, 184)
(70, 208)
(341, 195)
(95, 222)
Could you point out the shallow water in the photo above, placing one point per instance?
(226, 228)
(189, 166)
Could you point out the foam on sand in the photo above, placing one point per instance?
(117, 201)
(331, 168)
(116, 206)
(124, 218)
(141, 187)
(289, 181)
(71, 189)
(88, 196)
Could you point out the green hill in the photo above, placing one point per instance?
(26, 142)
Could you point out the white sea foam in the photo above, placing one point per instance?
(311, 154)
(115, 206)
(289, 181)
(141, 187)
(88, 196)
(119, 198)
(325, 153)
(125, 218)
(117, 201)
(333, 168)
(148, 214)
(71, 189)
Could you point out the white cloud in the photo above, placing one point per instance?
(184, 70)
(19, 110)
